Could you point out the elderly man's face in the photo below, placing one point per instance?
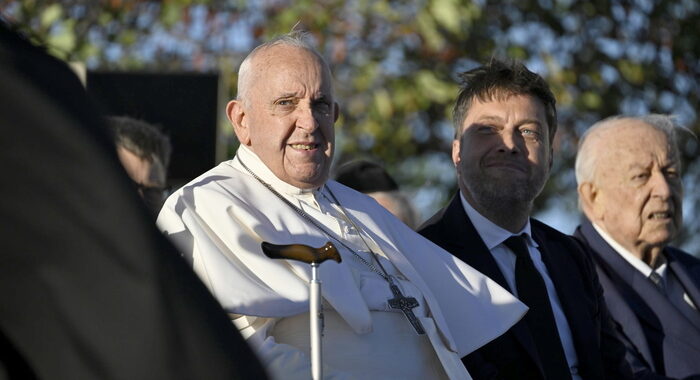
(638, 187)
(504, 153)
(288, 116)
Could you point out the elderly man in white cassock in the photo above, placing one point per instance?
(276, 189)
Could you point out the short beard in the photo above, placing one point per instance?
(504, 197)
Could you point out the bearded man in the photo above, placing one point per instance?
(505, 120)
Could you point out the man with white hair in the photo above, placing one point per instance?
(276, 189)
(628, 171)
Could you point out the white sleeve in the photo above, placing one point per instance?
(281, 361)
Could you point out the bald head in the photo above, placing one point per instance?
(253, 65)
(602, 137)
(628, 174)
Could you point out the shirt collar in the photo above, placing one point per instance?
(257, 166)
(636, 262)
(491, 233)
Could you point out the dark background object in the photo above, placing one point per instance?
(89, 288)
(184, 105)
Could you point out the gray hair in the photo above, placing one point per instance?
(586, 158)
(297, 38)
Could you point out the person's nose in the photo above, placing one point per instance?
(510, 141)
(661, 186)
(306, 119)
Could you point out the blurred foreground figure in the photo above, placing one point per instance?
(396, 307)
(89, 289)
(144, 151)
(628, 171)
(373, 180)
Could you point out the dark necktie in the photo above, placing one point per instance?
(658, 281)
(540, 318)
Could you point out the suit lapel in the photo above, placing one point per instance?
(675, 324)
(691, 334)
(464, 241)
(626, 306)
(626, 275)
(681, 273)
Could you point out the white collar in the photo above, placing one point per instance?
(635, 261)
(491, 233)
(257, 166)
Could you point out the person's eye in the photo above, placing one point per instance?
(286, 102)
(672, 174)
(640, 176)
(530, 133)
(322, 106)
(485, 128)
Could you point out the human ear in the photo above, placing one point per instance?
(590, 202)
(237, 116)
(455, 151)
(336, 111)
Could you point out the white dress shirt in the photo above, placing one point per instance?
(493, 237)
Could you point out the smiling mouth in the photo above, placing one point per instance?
(304, 146)
(507, 165)
(660, 215)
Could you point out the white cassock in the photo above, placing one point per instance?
(218, 221)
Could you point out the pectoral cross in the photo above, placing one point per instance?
(405, 304)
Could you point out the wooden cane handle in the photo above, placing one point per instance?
(301, 252)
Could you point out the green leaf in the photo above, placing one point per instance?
(517, 52)
(366, 76)
(591, 100)
(128, 37)
(632, 72)
(382, 101)
(88, 50)
(171, 13)
(63, 40)
(50, 15)
(447, 14)
(428, 29)
(434, 88)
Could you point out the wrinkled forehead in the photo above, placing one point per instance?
(633, 142)
(290, 63)
(626, 132)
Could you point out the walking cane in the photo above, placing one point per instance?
(314, 257)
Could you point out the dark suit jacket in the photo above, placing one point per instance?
(513, 355)
(658, 337)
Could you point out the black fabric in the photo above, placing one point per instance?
(365, 177)
(539, 318)
(513, 355)
(89, 289)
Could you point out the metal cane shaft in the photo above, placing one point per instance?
(314, 257)
(316, 323)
